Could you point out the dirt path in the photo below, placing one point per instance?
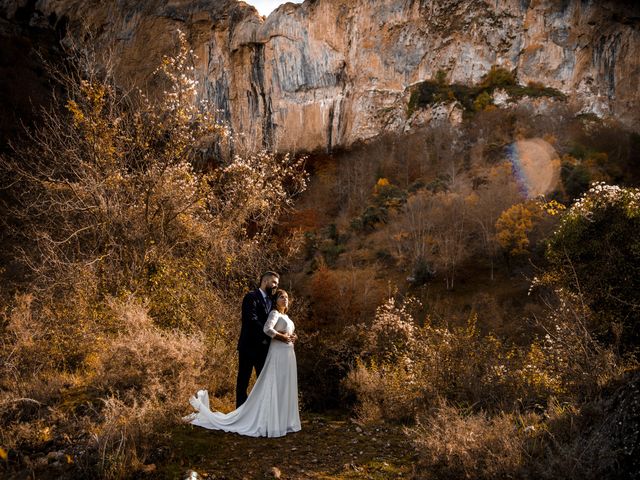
(328, 447)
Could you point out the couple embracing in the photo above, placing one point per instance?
(266, 346)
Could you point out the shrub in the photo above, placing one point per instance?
(143, 373)
(536, 89)
(475, 97)
(452, 443)
(482, 102)
(422, 273)
(324, 360)
(386, 198)
(594, 440)
(575, 359)
(425, 93)
(423, 362)
(514, 225)
(498, 77)
(417, 363)
(133, 235)
(575, 177)
(118, 188)
(600, 233)
(130, 387)
(383, 392)
(384, 379)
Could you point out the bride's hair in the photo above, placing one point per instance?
(279, 292)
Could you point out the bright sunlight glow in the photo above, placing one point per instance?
(265, 7)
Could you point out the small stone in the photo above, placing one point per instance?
(358, 429)
(275, 472)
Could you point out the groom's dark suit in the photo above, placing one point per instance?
(253, 344)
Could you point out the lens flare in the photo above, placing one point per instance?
(536, 166)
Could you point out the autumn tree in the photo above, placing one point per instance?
(412, 233)
(496, 193)
(514, 225)
(116, 187)
(433, 231)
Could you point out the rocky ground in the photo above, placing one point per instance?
(327, 447)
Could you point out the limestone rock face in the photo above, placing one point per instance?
(327, 73)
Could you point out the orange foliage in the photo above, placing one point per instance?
(304, 219)
(514, 225)
(343, 297)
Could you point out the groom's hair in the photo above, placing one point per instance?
(268, 274)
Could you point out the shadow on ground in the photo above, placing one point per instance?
(328, 447)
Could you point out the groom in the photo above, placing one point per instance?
(253, 344)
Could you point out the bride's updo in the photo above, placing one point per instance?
(280, 292)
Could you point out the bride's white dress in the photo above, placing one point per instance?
(271, 410)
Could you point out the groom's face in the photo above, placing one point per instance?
(270, 285)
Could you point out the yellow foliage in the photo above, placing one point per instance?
(45, 434)
(513, 226)
(78, 116)
(536, 373)
(380, 185)
(553, 207)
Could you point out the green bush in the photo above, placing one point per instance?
(595, 253)
(498, 77)
(482, 101)
(386, 197)
(575, 178)
(422, 273)
(474, 97)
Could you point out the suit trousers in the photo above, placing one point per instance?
(247, 362)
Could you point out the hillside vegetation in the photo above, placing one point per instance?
(433, 292)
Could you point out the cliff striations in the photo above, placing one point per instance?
(327, 73)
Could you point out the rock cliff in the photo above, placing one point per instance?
(327, 73)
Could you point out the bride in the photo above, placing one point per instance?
(271, 410)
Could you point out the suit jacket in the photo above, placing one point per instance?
(254, 316)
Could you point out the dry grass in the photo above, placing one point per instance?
(131, 386)
(130, 237)
(455, 444)
(485, 409)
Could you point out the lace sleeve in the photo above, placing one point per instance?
(269, 325)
